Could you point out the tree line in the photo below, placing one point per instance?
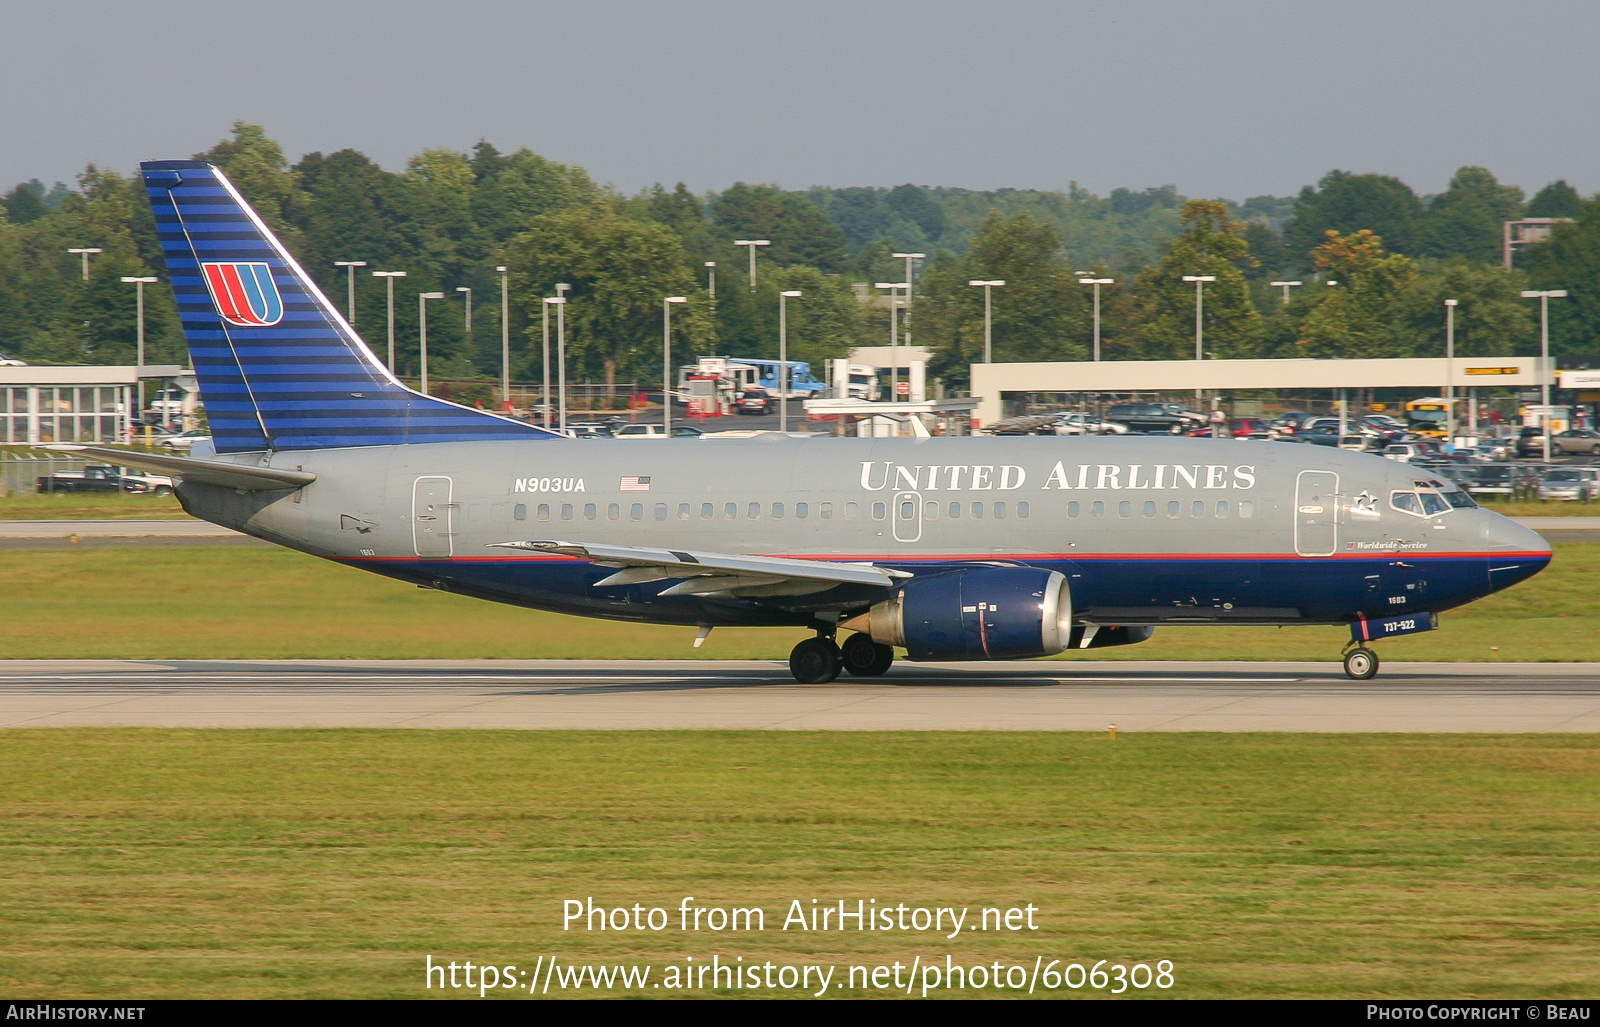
(450, 218)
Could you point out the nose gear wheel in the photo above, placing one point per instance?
(1361, 663)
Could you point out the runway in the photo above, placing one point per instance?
(1042, 695)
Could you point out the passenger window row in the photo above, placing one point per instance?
(1173, 509)
(776, 511)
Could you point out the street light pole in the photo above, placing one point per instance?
(1449, 371)
(350, 276)
(389, 277)
(545, 381)
(468, 298)
(988, 318)
(910, 278)
(752, 243)
(562, 288)
(666, 361)
(1544, 296)
(711, 279)
(422, 318)
(1199, 315)
(139, 282)
(1286, 286)
(505, 336)
(783, 356)
(84, 251)
(1097, 283)
(894, 336)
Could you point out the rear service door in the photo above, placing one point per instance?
(432, 523)
(1316, 511)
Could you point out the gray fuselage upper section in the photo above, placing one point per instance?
(859, 499)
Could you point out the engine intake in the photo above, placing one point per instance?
(975, 613)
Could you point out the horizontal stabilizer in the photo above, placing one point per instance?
(722, 572)
(248, 477)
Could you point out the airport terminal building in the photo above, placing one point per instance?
(71, 404)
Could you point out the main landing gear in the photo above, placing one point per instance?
(1361, 663)
(817, 661)
(865, 658)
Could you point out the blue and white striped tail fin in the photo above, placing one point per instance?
(278, 367)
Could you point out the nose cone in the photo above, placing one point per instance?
(1515, 553)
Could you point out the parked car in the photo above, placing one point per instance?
(1326, 433)
(1173, 418)
(1251, 428)
(1576, 440)
(1412, 452)
(1530, 442)
(101, 478)
(183, 441)
(754, 400)
(1288, 421)
(1513, 481)
(640, 431)
(656, 431)
(1494, 450)
(590, 430)
(1571, 483)
(1080, 423)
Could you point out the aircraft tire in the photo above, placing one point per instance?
(815, 661)
(1361, 664)
(865, 658)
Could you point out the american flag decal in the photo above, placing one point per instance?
(634, 483)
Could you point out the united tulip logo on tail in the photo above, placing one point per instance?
(245, 294)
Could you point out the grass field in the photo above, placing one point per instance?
(88, 506)
(231, 603)
(329, 863)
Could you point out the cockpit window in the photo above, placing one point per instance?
(1427, 503)
(1406, 502)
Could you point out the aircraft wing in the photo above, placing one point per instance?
(706, 574)
(206, 472)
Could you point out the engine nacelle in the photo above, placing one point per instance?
(976, 613)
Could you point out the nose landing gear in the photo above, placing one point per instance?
(1360, 663)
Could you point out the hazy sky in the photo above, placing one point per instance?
(1226, 98)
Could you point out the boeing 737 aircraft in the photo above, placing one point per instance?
(947, 548)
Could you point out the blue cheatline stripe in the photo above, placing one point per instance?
(292, 377)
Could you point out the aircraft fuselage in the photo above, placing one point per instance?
(1146, 530)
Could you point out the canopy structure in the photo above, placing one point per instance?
(1431, 374)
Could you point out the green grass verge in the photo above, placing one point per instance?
(88, 506)
(234, 864)
(1535, 508)
(235, 603)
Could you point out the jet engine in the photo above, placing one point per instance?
(975, 613)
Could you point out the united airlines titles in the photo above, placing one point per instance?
(878, 475)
